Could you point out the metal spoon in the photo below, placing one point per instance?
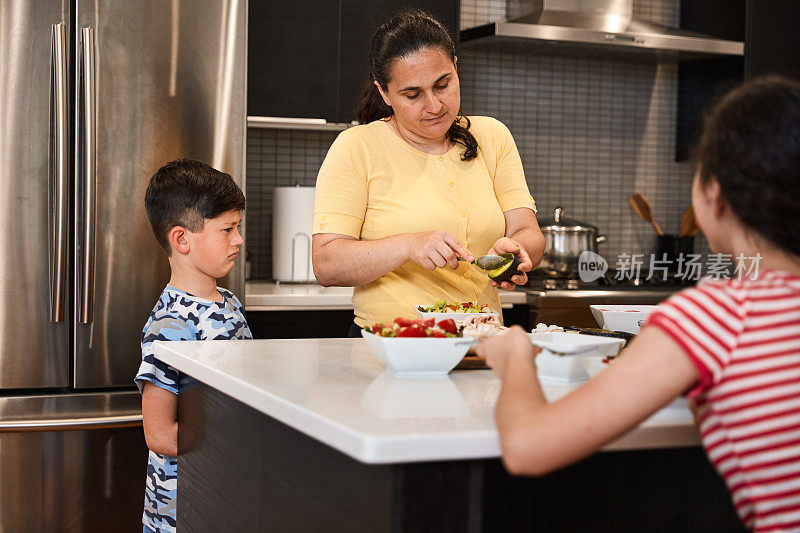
(491, 262)
(642, 207)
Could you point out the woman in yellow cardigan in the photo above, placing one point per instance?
(416, 185)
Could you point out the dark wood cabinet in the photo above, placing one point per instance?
(293, 59)
(309, 59)
(769, 31)
(359, 20)
(701, 81)
(242, 470)
(772, 39)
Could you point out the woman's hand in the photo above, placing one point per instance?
(436, 249)
(497, 350)
(504, 245)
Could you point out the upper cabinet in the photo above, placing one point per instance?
(771, 41)
(309, 59)
(293, 59)
(772, 38)
(360, 18)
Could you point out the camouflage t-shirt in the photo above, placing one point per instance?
(179, 316)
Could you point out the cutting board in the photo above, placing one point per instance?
(472, 362)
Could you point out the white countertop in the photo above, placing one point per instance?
(335, 391)
(270, 296)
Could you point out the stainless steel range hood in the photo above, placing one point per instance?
(580, 27)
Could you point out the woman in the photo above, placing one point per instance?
(415, 187)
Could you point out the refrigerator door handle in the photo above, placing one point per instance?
(85, 173)
(72, 424)
(59, 171)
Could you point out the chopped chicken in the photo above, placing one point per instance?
(544, 328)
(481, 326)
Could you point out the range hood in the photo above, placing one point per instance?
(576, 27)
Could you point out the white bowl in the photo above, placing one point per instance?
(438, 317)
(627, 318)
(417, 356)
(572, 367)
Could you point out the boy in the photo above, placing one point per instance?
(195, 212)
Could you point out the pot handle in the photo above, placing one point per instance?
(600, 239)
(557, 212)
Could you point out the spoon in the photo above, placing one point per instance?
(689, 226)
(686, 221)
(491, 262)
(642, 207)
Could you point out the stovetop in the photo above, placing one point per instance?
(608, 282)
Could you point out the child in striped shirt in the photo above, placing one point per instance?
(732, 346)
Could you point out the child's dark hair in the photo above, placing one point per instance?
(403, 34)
(751, 146)
(185, 193)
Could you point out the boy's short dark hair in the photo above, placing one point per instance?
(184, 193)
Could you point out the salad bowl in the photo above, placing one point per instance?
(442, 311)
(627, 318)
(416, 356)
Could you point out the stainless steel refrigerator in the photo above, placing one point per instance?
(95, 95)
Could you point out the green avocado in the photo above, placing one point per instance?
(505, 272)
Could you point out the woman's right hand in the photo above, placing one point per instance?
(436, 249)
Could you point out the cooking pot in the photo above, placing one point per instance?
(565, 240)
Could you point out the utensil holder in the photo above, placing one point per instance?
(673, 245)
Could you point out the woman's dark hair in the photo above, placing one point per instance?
(751, 146)
(402, 35)
(186, 193)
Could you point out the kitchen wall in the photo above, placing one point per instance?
(276, 158)
(590, 133)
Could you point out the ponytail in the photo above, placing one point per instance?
(401, 35)
(371, 106)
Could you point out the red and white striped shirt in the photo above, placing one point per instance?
(744, 338)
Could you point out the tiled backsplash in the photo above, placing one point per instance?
(590, 132)
(276, 158)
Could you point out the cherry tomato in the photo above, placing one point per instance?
(414, 330)
(403, 322)
(426, 323)
(448, 325)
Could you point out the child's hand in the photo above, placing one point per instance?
(498, 349)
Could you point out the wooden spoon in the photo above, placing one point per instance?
(642, 207)
(687, 221)
(689, 226)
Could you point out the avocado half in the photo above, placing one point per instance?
(505, 272)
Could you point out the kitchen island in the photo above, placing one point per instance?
(311, 435)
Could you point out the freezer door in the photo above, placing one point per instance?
(34, 174)
(72, 462)
(155, 80)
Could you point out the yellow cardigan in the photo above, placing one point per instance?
(373, 185)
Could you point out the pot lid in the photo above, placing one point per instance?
(558, 222)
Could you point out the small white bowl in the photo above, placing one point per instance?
(627, 318)
(417, 356)
(572, 367)
(438, 317)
